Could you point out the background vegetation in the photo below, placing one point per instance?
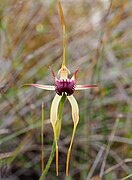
(99, 42)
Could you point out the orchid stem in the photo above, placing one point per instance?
(57, 168)
(44, 173)
(49, 162)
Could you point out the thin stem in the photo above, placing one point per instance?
(42, 137)
(49, 162)
(58, 125)
(57, 159)
(58, 129)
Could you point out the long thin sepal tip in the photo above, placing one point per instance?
(69, 150)
(64, 33)
(67, 162)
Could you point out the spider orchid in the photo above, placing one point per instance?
(62, 86)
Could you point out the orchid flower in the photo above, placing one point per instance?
(63, 85)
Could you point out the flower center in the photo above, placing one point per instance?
(65, 86)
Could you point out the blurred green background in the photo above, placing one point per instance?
(99, 43)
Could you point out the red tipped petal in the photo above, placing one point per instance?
(52, 71)
(75, 75)
(87, 86)
(40, 86)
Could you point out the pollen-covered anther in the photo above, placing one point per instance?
(65, 86)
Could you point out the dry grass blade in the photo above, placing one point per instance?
(117, 165)
(97, 159)
(42, 138)
(127, 177)
(108, 148)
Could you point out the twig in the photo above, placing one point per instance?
(98, 157)
(6, 155)
(127, 177)
(108, 148)
(128, 160)
(116, 157)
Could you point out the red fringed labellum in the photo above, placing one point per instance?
(65, 86)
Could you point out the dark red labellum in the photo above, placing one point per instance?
(65, 86)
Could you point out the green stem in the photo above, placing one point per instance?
(54, 143)
(58, 124)
(49, 162)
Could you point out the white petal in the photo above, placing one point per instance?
(40, 86)
(54, 109)
(83, 87)
(75, 109)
